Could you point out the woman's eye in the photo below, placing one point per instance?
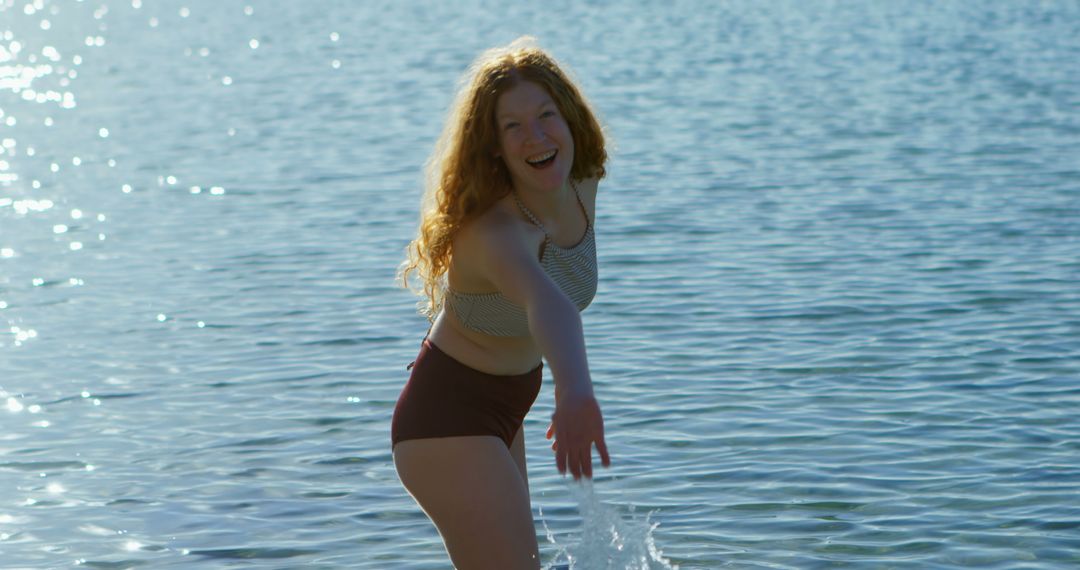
(509, 126)
(547, 114)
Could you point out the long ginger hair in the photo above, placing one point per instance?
(465, 178)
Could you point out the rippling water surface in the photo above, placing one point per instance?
(838, 322)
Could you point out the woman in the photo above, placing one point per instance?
(507, 258)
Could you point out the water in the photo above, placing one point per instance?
(608, 539)
(837, 323)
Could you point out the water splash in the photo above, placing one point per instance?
(608, 540)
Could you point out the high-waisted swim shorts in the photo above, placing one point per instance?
(445, 398)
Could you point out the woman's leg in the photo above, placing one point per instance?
(517, 451)
(472, 489)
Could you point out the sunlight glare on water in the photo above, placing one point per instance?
(836, 326)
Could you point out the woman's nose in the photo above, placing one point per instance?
(536, 131)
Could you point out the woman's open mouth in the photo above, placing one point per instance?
(543, 160)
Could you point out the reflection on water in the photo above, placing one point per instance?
(836, 323)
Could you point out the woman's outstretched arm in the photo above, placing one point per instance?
(556, 327)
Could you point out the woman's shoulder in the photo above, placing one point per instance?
(588, 186)
(496, 229)
(486, 241)
(587, 189)
(495, 223)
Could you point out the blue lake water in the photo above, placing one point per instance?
(838, 323)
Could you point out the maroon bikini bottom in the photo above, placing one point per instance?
(445, 398)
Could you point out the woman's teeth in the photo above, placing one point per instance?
(542, 159)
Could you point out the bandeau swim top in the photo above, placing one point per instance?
(574, 271)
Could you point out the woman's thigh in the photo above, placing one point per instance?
(473, 491)
(517, 451)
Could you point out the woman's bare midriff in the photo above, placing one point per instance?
(502, 356)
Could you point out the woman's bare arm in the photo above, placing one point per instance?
(510, 263)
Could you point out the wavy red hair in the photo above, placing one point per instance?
(464, 176)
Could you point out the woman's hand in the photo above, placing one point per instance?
(551, 426)
(577, 424)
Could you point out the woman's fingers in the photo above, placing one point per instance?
(578, 458)
(577, 429)
(586, 461)
(560, 459)
(601, 446)
(574, 463)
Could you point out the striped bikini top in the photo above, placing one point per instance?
(573, 270)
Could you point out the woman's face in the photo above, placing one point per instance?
(534, 140)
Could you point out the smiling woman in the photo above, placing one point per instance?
(531, 135)
(506, 243)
